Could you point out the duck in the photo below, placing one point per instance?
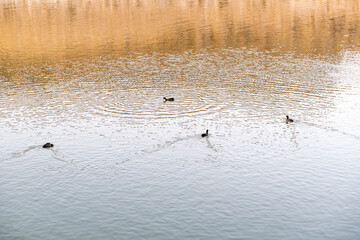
(288, 119)
(205, 134)
(48, 145)
(169, 99)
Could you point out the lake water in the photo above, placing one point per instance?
(90, 77)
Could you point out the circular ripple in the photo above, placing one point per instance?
(148, 103)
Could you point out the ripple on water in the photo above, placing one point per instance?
(148, 103)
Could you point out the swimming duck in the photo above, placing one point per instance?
(169, 99)
(288, 119)
(48, 145)
(205, 134)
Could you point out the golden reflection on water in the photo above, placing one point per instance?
(66, 29)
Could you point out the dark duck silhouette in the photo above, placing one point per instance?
(205, 134)
(48, 145)
(169, 99)
(288, 119)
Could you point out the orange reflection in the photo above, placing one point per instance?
(65, 29)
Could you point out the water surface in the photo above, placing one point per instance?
(90, 77)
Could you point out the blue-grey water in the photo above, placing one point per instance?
(127, 165)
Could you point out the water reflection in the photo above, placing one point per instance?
(90, 77)
(68, 29)
(204, 84)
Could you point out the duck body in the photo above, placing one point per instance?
(169, 99)
(205, 134)
(48, 145)
(288, 119)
